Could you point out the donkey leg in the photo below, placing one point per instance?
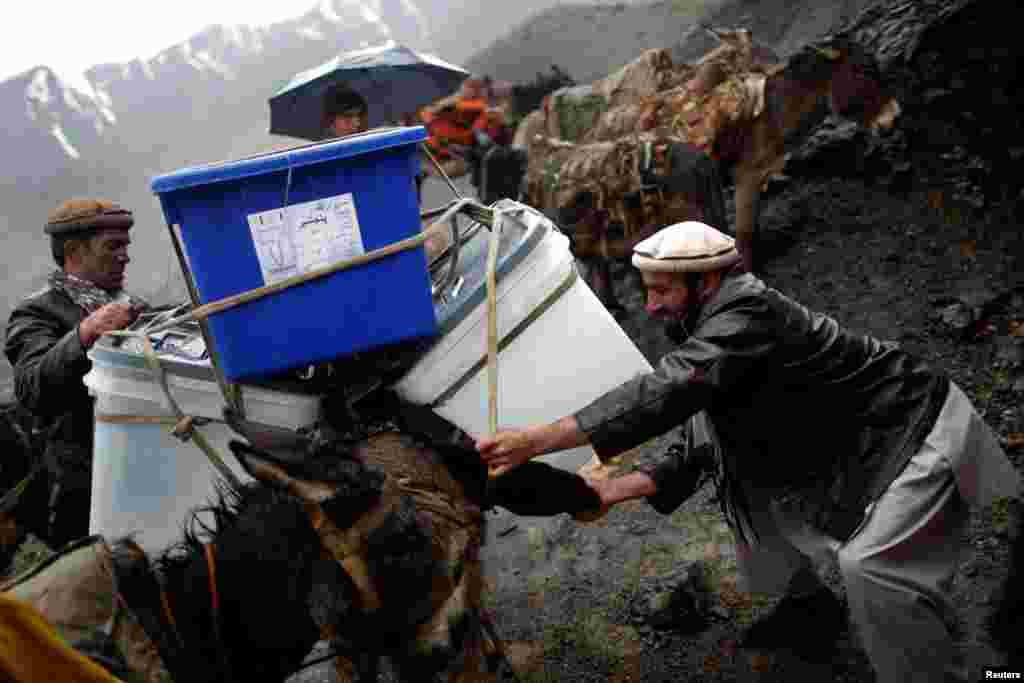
(359, 667)
(748, 194)
(494, 649)
(604, 286)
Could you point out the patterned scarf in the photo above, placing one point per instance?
(88, 295)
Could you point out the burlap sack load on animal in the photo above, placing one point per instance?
(570, 112)
(628, 101)
(737, 55)
(591, 186)
(614, 171)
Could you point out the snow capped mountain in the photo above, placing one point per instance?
(59, 111)
(43, 109)
(108, 132)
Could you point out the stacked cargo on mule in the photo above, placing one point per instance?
(272, 225)
(309, 263)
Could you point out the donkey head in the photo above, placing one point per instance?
(381, 519)
(403, 562)
(743, 39)
(857, 89)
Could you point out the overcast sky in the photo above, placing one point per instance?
(69, 36)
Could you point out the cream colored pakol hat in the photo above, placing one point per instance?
(687, 247)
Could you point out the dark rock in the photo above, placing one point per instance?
(975, 294)
(957, 317)
(776, 184)
(1009, 351)
(680, 600)
(932, 94)
(836, 148)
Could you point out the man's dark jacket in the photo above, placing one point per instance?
(49, 363)
(819, 417)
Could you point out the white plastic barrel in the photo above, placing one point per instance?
(562, 348)
(145, 481)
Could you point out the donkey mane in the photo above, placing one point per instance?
(266, 551)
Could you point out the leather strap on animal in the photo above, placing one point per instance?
(347, 546)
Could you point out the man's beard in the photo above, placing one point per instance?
(679, 329)
(676, 331)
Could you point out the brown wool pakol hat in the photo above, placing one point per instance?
(76, 215)
(687, 247)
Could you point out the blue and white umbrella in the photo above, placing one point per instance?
(393, 79)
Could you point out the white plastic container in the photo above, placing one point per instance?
(561, 347)
(145, 481)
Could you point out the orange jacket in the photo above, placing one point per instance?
(455, 125)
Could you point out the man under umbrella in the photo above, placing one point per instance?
(345, 112)
(826, 441)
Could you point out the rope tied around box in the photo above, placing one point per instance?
(475, 210)
(184, 426)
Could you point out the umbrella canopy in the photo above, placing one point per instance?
(393, 79)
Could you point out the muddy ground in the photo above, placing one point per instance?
(571, 599)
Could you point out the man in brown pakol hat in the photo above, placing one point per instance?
(826, 443)
(48, 335)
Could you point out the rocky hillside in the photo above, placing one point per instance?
(591, 41)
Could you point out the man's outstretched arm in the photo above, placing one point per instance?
(512, 447)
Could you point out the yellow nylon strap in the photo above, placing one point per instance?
(492, 334)
(32, 651)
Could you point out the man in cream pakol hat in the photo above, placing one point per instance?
(824, 442)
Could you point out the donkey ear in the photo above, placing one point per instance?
(269, 470)
(719, 34)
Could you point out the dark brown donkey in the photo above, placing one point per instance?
(413, 553)
(742, 127)
(372, 544)
(836, 75)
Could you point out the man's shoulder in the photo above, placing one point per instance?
(46, 303)
(46, 296)
(741, 289)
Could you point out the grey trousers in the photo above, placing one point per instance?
(898, 566)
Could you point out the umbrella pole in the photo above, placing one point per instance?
(451, 185)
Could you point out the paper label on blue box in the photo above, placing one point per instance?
(302, 237)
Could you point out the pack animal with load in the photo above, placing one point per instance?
(627, 162)
(369, 541)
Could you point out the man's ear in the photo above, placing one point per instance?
(709, 283)
(74, 248)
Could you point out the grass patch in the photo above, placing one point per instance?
(1002, 514)
(589, 637)
(566, 554)
(535, 541)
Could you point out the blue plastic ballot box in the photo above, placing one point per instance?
(256, 221)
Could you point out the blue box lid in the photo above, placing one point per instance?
(294, 157)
